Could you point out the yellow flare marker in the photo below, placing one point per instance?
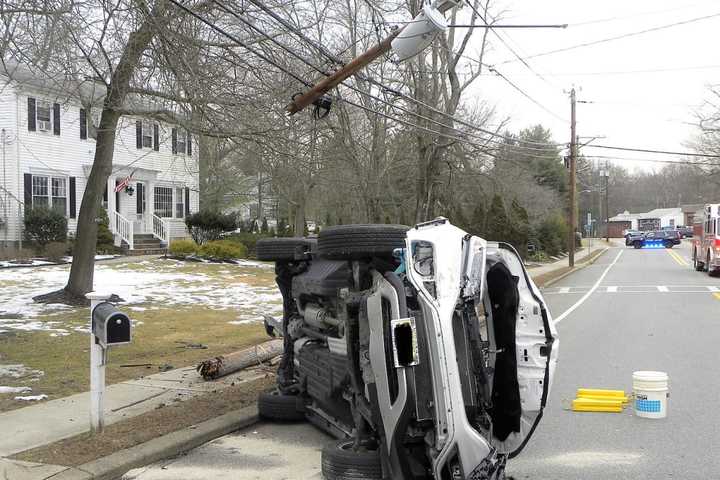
(596, 392)
(624, 400)
(591, 405)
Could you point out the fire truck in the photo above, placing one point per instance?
(706, 240)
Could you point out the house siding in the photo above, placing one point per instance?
(11, 195)
(67, 155)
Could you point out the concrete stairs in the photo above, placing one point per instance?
(145, 244)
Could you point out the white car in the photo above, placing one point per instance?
(427, 352)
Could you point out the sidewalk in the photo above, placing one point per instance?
(55, 420)
(580, 255)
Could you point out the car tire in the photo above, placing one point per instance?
(277, 406)
(637, 244)
(340, 462)
(281, 249)
(699, 267)
(707, 265)
(355, 242)
(668, 244)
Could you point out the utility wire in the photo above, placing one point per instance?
(320, 70)
(649, 160)
(617, 37)
(267, 59)
(526, 95)
(384, 87)
(661, 152)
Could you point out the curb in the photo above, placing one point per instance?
(576, 268)
(117, 464)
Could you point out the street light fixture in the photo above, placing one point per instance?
(420, 33)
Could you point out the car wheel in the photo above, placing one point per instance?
(637, 244)
(707, 265)
(277, 406)
(341, 462)
(281, 249)
(354, 242)
(668, 244)
(699, 267)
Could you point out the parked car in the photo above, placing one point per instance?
(426, 352)
(631, 235)
(685, 231)
(656, 238)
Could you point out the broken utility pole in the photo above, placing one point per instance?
(300, 102)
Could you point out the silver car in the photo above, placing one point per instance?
(427, 352)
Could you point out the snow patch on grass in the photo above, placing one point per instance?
(15, 389)
(247, 287)
(18, 370)
(32, 398)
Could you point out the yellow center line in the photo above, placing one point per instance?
(678, 259)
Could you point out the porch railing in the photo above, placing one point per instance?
(123, 228)
(161, 229)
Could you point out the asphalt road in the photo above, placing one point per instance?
(646, 310)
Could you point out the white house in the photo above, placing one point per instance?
(46, 136)
(658, 218)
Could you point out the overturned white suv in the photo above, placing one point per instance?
(427, 352)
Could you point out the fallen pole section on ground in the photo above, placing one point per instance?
(232, 362)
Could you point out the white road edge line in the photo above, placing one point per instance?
(712, 289)
(564, 290)
(612, 289)
(662, 288)
(567, 312)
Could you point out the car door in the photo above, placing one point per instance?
(535, 345)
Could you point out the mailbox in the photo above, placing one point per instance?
(109, 325)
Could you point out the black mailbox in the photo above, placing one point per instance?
(109, 325)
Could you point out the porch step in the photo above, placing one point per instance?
(146, 251)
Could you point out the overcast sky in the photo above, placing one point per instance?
(648, 110)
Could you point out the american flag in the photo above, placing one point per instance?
(123, 184)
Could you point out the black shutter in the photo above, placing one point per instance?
(138, 134)
(56, 118)
(83, 124)
(189, 143)
(72, 197)
(31, 114)
(174, 141)
(139, 194)
(156, 137)
(187, 201)
(105, 194)
(117, 197)
(28, 191)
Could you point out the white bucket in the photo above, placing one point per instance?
(650, 392)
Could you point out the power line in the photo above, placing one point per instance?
(507, 45)
(633, 15)
(384, 87)
(618, 37)
(661, 152)
(320, 70)
(526, 95)
(649, 160)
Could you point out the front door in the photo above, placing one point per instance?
(140, 207)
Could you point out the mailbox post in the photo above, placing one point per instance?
(108, 327)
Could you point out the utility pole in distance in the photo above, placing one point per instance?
(571, 182)
(607, 203)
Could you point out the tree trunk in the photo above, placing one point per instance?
(299, 223)
(82, 268)
(83, 265)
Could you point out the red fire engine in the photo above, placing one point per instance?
(706, 240)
